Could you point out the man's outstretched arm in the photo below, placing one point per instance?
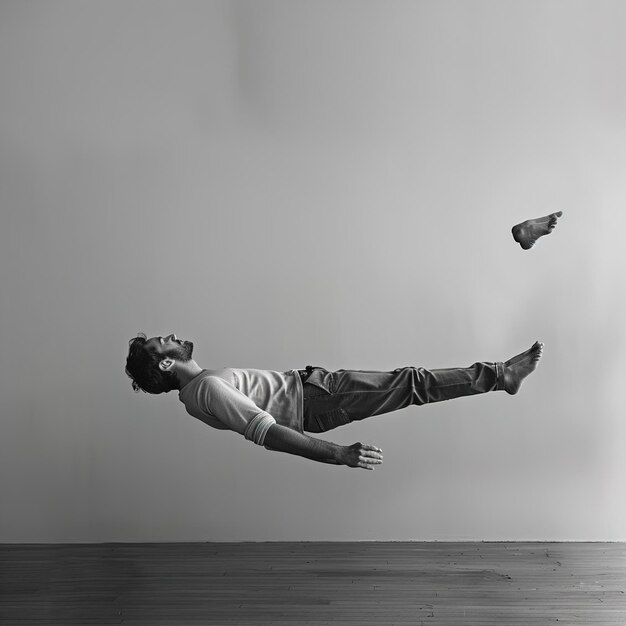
(291, 441)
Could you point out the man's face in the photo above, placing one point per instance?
(170, 346)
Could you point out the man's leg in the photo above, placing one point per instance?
(336, 398)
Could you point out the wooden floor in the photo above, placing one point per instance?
(298, 584)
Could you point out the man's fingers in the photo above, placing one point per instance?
(367, 456)
(368, 462)
(372, 454)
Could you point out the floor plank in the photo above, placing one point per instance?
(314, 584)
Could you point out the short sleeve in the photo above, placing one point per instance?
(235, 410)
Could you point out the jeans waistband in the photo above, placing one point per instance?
(305, 373)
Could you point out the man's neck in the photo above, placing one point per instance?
(186, 372)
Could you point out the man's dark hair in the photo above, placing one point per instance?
(142, 367)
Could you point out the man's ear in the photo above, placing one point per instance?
(166, 365)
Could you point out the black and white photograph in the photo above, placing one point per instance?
(312, 312)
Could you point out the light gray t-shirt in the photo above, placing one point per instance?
(247, 401)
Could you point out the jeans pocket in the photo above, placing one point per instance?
(322, 380)
(331, 419)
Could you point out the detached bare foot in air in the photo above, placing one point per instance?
(529, 231)
(520, 366)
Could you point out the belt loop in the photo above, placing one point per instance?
(499, 375)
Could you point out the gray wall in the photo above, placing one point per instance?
(332, 183)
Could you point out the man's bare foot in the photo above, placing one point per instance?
(529, 231)
(520, 366)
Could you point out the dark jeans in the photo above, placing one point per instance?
(332, 399)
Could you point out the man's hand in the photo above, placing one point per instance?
(361, 455)
(293, 442)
